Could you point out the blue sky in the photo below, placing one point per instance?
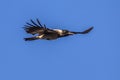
(94, 56)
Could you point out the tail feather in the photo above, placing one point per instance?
(30, 39)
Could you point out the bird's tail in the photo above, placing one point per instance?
(84, 32)
(30, 39)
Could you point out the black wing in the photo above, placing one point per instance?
(35, 28)
(84, 32)
(31, 38)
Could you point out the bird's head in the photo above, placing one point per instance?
(63, 32)
(66, 32)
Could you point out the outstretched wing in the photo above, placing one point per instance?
(83, 32)
(35, 28)
(31, 38)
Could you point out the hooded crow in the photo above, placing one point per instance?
(48, 34)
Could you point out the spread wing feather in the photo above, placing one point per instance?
(35, 28)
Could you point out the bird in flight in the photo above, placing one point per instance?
(46, 33)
